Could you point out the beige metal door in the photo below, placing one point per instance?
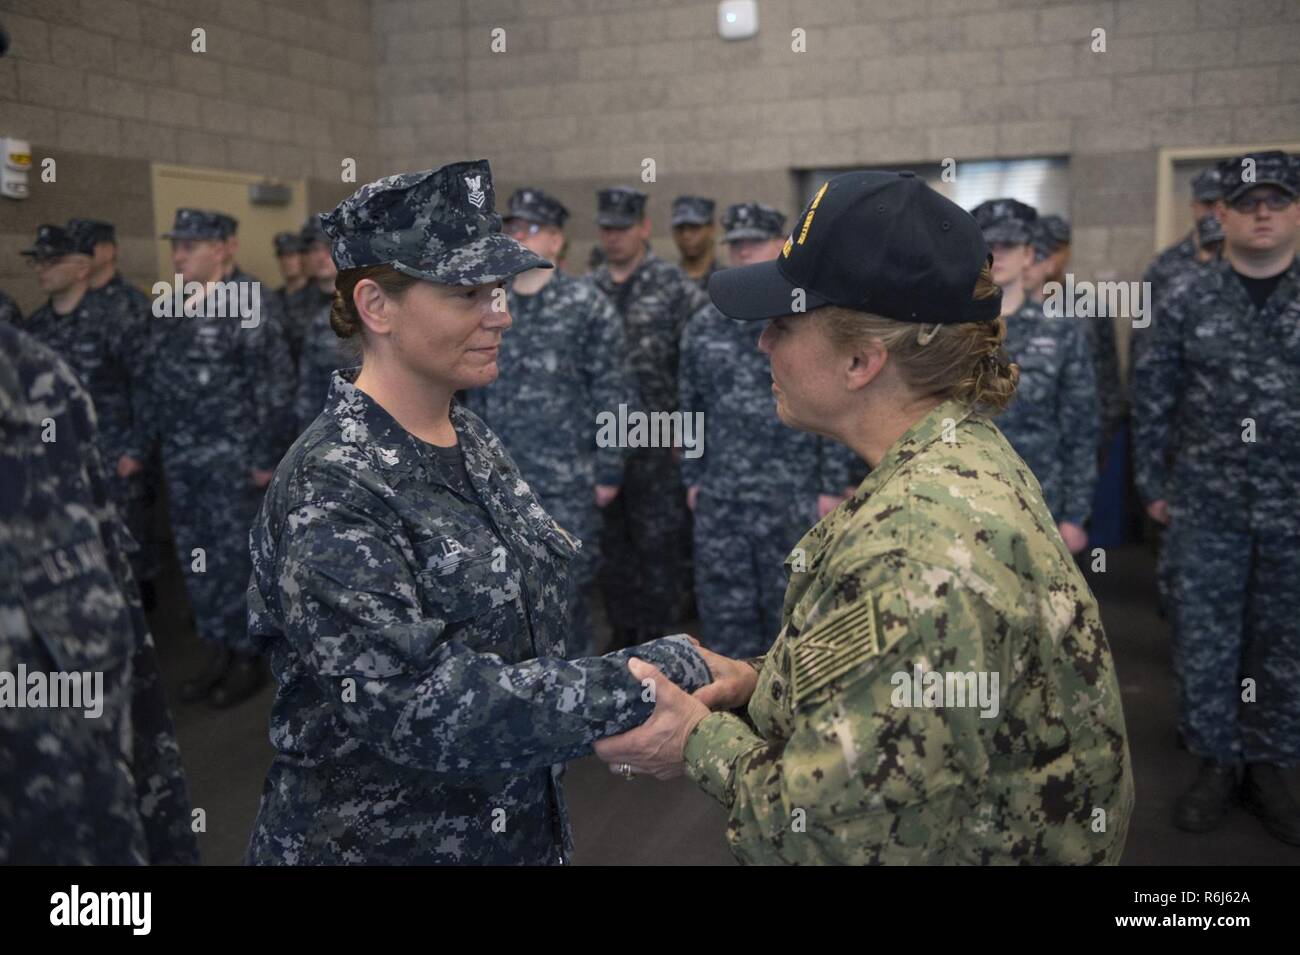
(223, 191)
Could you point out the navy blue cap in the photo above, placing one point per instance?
(312, 233)
(752, 220)
(536, 205)
(1208, 229)
(90, 232)
(1047, 234)
(1270, 168)
(878, 242)
(439, 225)
(1207, 185)
(1005, 220)
(287, 243)
(619, 207)
(53, 242)
(195, 224)
(692, 210)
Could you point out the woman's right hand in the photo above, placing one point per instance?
(733, 681)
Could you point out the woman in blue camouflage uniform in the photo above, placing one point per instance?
(1055, 421)
(411, 592)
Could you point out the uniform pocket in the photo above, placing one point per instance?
(464, 577)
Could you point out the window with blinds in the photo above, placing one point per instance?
(1042, 183)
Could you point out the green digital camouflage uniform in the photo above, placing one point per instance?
(946, 558)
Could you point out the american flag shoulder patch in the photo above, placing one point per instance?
(841, 642)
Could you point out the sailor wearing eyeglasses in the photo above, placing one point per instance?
(1217, 456)
(562, 363)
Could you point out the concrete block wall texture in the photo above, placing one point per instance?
(587, 89)
(286, 88)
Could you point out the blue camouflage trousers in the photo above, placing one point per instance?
(1234, 610)
(643, 542)
(211, 503)
(740, 579)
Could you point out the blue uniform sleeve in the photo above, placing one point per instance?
(275, 386)
(609, 379)
(1157, 377)
(422, 697)
(1079, 412)
(690, 393)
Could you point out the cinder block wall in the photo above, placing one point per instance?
(286, 88)
(588, 89)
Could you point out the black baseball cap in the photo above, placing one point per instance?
(879, 242)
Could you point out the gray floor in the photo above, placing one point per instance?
(644, 822)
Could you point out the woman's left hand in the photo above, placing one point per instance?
(655, 747)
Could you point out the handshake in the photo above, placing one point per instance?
(655, 747)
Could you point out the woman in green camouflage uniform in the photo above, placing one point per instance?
(941, 690)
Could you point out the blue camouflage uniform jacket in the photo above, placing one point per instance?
(417, 637)
(656, 301)
(1168, 266)
(1216, 421)
(218, 380)
(1054, 421)
(749, 454)
(76, 787)
(563, 362)
(99, 339)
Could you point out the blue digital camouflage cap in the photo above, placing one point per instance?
(1207, 185)
(1040, 240)
(1056, 229)
(1208, 230)
(195, 224)
(1270, 168)
(88, 233)
(692, 210)
(312, 232)
(535, 205)
(1005, 220)
(287, 243)
(53, 242)
(1047, 234)
(228, 223)
(619, 207)
(439, 225)
(752, 220)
